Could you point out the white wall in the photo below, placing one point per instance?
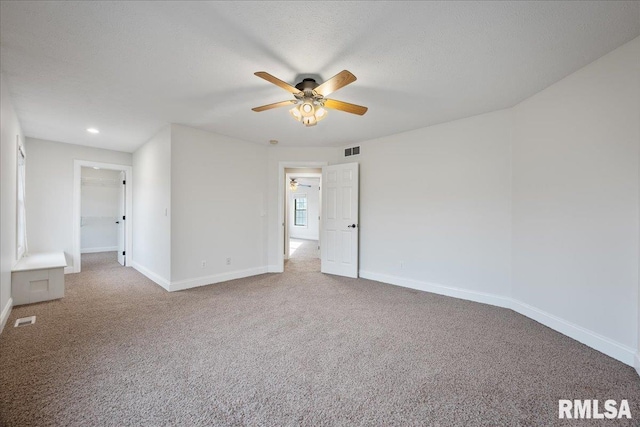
(435, 205)
(312, 230)
(535, 208)
(50, 191)
(10, 128)
(219, 207)
(575, 197)
(100, 199)
(152, 208)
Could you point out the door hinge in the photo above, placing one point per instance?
(124, 182)
(124, 217)
(124, 252)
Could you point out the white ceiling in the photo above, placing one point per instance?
(128, 68)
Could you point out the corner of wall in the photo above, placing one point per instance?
(156, 278)
(4, 315)
(151, 253)
(594, 340)
(10, 129)
(181, 285)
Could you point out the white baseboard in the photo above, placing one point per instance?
(96, 250)
(151, 275)
(275, 269)
(592, 339)
(181, 285)
(587, 337)
(435, 288)
(4, 315)
(69, 270)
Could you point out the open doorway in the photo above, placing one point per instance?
(283, 243)
(102, 214)
(302, 217)
(102, 208)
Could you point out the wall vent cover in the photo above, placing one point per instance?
(352, 151)
(24, 321)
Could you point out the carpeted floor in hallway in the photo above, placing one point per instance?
(303, 249)
(298, 348)
(304, 256)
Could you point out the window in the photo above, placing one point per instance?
(300, 211)
(21, 226)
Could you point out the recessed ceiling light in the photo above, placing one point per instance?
(95, 167)
(273, 141)
(93, 130)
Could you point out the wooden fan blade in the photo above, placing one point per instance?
(276, 81)
(345, 106)
(336, 82)
(274, 105)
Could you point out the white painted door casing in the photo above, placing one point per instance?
(121, 219)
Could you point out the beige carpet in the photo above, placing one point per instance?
(299, 348)
(303, 249)
(304, 256)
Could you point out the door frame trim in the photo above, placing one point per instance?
(280, 218)
(77, 205)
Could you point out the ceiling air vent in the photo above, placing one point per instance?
(352, 151)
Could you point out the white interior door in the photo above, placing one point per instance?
(120, 221)
(339, 224)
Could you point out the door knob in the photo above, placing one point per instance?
(117, 222)
(351, 226)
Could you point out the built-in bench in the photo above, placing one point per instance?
(38, 277)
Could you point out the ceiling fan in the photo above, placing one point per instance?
(310, 102)
(293, 185)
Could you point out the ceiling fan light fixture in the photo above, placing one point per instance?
(307, 109)
(321, 113)
(309, 121)
(296, 113)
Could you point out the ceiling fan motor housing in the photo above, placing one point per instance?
(307, 84)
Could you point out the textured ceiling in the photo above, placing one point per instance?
(128, 68)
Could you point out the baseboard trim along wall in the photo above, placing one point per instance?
(587, 337)
(95, 250)
(151, 275)
(4, 315)
(216, 278)
(435, 288)
(638, 363)
(596, 341)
